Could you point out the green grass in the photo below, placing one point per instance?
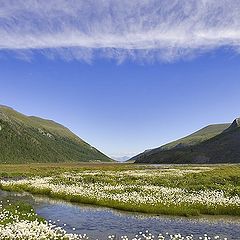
(180, 210)
(219, 177)
(216, 177)
(20, 210)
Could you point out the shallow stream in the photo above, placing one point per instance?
(99, 222)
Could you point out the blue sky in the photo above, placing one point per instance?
(124, 109)
(124, 76)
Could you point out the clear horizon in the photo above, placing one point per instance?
(121, 75)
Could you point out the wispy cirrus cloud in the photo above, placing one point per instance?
(119, 29)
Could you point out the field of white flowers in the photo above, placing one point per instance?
(137, 194)
(168, 190)
(130, 190)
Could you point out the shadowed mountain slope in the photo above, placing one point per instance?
(223, 147)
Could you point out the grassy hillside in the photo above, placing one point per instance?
(198, 137)
(222, 148)
(190, 140)
(30, 139)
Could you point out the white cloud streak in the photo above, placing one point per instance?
(119, 29)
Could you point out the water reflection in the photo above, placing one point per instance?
(98, 222)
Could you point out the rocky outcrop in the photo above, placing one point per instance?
(235, 124)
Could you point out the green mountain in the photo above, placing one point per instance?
(25, 139)
(213, 144)
(197, 137)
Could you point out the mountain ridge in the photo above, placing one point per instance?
(223, 147)
(235, 124)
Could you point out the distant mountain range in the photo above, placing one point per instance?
(219, 143)
(25, 139)
(121, 159)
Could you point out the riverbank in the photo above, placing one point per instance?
(93, 222)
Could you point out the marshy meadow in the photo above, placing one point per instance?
(186, 192)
